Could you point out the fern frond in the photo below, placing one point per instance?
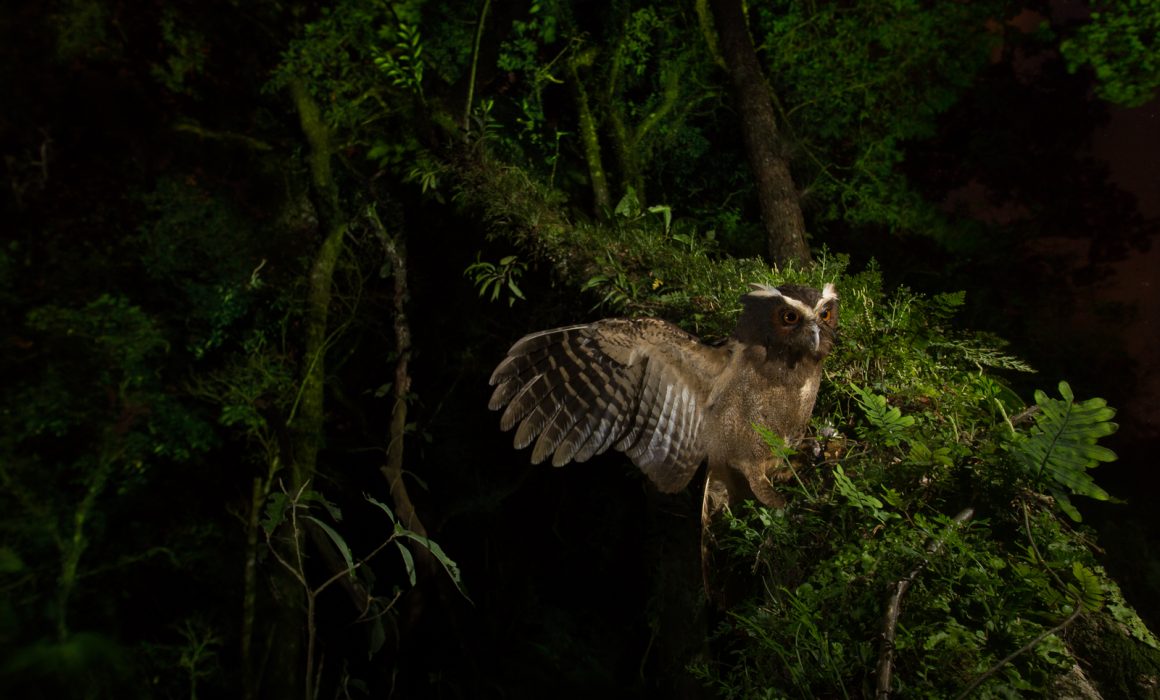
(1061, 446)
(887, 424)
(981, 354)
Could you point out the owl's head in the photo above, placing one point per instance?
(791, 320)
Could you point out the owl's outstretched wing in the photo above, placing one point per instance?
(639, 386)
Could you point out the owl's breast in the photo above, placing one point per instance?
(767, 393)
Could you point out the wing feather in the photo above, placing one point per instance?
(640, 386)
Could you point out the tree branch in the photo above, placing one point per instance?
(393, 469)
(1021, 650)
(894, 609)
(223, 136)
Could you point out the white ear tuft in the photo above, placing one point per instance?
(829, 292)
(763, 290)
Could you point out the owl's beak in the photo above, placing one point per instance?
(817, 336)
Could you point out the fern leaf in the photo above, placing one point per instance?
(1087, 587)
(886, 424)
(1060, 447)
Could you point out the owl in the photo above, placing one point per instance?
(668, 400)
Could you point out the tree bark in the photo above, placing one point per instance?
(777, 196)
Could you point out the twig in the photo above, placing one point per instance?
(1035, 548)
(894, 609)
(1022, 650)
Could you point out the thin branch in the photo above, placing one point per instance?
(1035, 548)
(1022, 650)
(350, 572)
(224, 136)
(894, 610)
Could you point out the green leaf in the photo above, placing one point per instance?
(408, 561)
(312, 496)
(860, 499)
(1087, 588)
(666, 212)
(275, 512)
(336, 538)
(450, 566)
(629, 205)
(383, 506)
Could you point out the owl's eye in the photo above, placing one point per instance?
(789, 317)
(824, 315)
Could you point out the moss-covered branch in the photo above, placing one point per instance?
(589, 138)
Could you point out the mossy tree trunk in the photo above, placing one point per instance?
(307, 421)
(283, 674)
(75, 543)
(589, 136)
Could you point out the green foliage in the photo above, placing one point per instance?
(115, 346)
(855, 497)
(536, 54)
(284, 509)
(493, 278)
(345, 55)
(1125, 615)
(855, 82)
(187, 51)
(1060, 447)
(401, 532)
(198, 243)
(541, 28)
(638, 82)
(1121, 45)
(83, 425)
(987, 599)
(887, 425)
(403, 62)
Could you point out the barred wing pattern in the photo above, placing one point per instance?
(639, 386)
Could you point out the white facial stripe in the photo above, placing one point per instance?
(829, 294)
(800, 307)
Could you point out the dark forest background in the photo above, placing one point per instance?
(259, 258)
